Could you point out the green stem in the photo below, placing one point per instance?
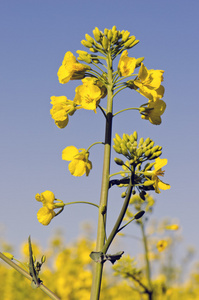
(148, 269)
(119, 219)
(96, 143)
(98, 267)
(27, 275)
(130, 108)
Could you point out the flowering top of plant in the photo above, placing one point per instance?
(126, 64)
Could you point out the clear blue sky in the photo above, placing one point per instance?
(34, 38)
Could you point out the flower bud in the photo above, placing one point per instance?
(106, 31)
(124, 149)
(110, 35)
(86, 44)
(156, 155)
(142, 195)
(43, 259)
(147, 153)
(131, 138)
(130, 41)
(117, 149)
(125, 138)
(146, 142)
(134, 43)
(139, 214)
(105, 43)
(138, 61)
(139, 152)
(123, 195)
(118, 138)
(97, 34)
(115, 37)
(154, 149)
(141, 141)
(85, 58)
(89, 38)
(125, 36)
(114, 28)
(119, 161)
(135, 135)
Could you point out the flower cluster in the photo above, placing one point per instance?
(138, 153)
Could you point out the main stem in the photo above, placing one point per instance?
(98, 267)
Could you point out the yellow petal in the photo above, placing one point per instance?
(163, 186)
(44, 215)
(69, 152)
(77, 167)
(159, 163)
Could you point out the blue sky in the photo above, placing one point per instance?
(34, 38)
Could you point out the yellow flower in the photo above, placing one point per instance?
(159, 163)
(71, 69)
(149, 83)
(172, 227)
(62, 107)
(79, 164)
(89, 94)
(158, 184)
(46, 213)
(153, 111)
(126, 64)
(161, 245)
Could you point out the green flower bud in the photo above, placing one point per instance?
(116, 142)
(125, 36)
(154, 149)
(150, 145)
(135, 135)
(105, 43)
(119, 161)
(96, 61)
(131, 138)
(97, 34)
(86, 44)
(138, 61)
(125, 138)
(115, 37)
(110, 35)
(139, 152)
(85, 58)
(106, 31)
(43, 259)
(141, 141)
(134, 43)
(123, 195)
(89, 38)
(118, 138)
(147, 153)
(139, 214)
(130, 41)
(146, 142)
(156, 155)
(117, 149)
